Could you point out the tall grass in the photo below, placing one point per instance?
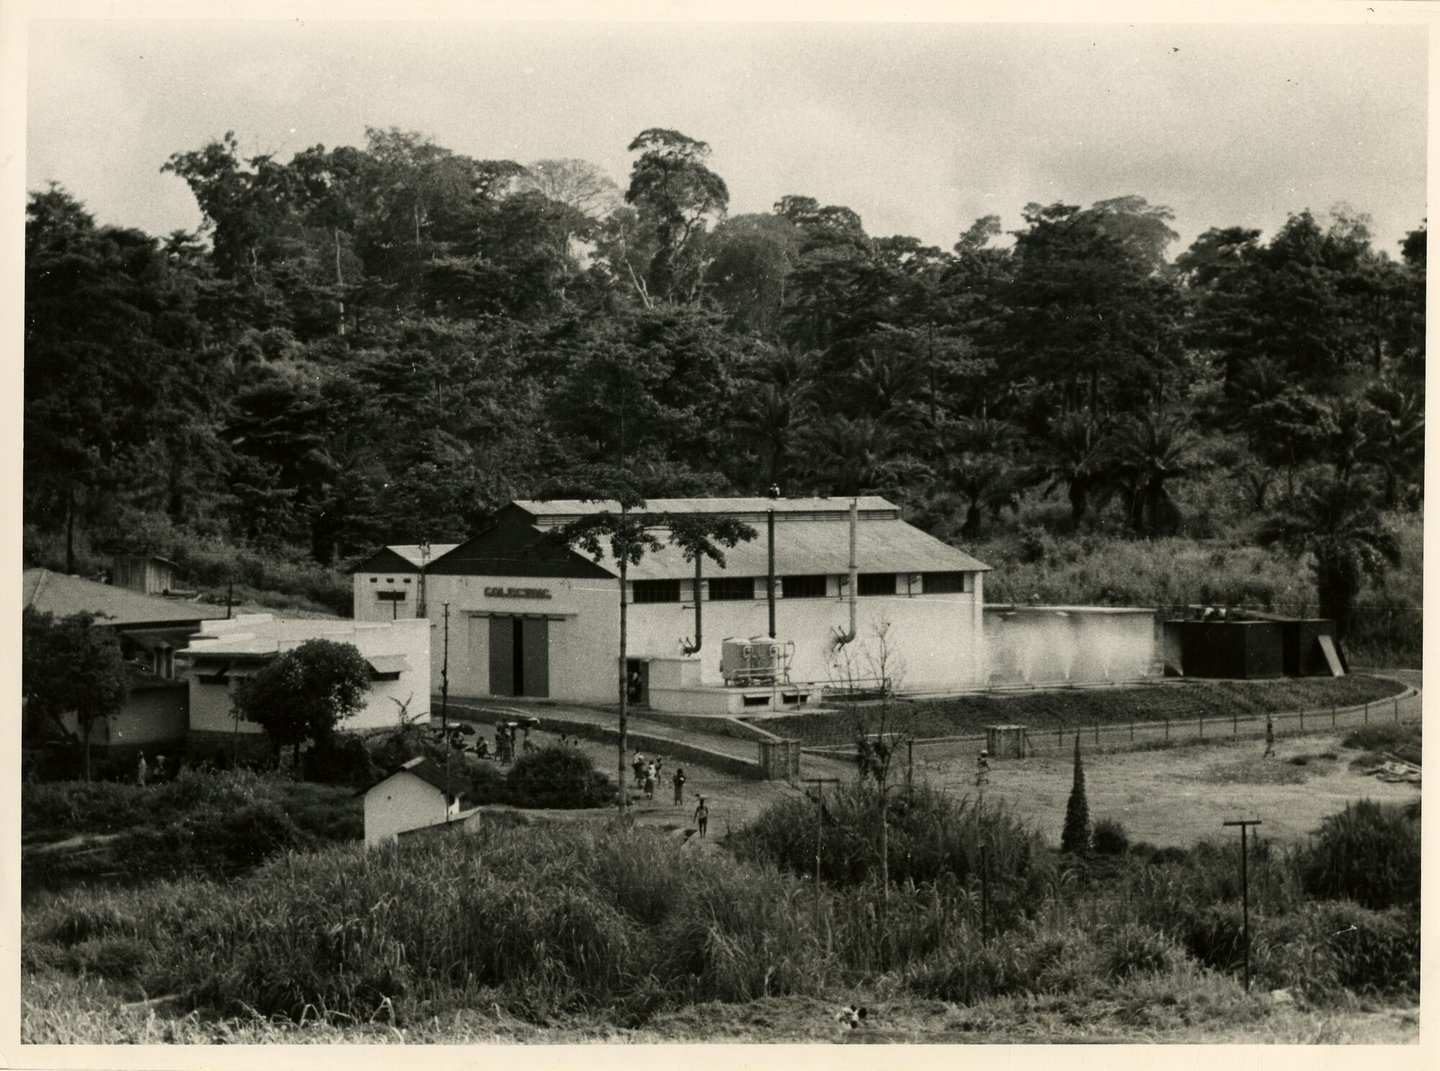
(540, 918)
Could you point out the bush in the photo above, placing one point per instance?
(933, 837)
(536, 919)
(1132, 948)
(339, 759)
(1402, 741)
(557, 777)
(1110, 838)
(1369, 853)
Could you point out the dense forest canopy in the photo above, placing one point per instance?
(382, 343)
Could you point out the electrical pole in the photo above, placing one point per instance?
(1245, 824)
(770, 570)
(445, 678)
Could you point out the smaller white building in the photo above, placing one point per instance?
(225, 652)
(415, 796)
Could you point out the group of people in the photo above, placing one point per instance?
(144, 775)
(647, 776)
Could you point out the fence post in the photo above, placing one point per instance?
(1332, 715)
(1367, 713)
(1234, 723)
(1397, 708)
(1202, 726)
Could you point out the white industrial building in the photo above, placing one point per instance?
(517, 614)
(224, 652)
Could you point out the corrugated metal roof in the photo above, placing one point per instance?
(806, 547)
(558, 511)
(61, 595)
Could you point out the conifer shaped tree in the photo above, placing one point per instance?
(1075, 837)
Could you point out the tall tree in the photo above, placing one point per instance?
(1336, 522)
(677, 195)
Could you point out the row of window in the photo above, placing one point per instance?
(727, 588)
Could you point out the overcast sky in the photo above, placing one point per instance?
(919, 128)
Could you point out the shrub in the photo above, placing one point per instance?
(557, 777)
(933, 838)
(1132, 948)
(1369, 853)
(339, 759)
(1110, 837)
(1402, 741)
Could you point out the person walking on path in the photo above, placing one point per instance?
(982, 769)
(702, 816)
(142, 771)
(639, 767)
(1269, 736)
(650, 781)
(679, 782)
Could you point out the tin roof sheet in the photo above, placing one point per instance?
(807, 547)
(62, 595)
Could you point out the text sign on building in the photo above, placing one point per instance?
(517, 593)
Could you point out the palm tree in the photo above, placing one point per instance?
(1335, 520)
(1151, 450)
(1078, 452)
(1394, 436)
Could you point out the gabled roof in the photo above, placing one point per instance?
(810, 547)
(812, 536)
(61, 595)
(429, 771)
(552, 512)
(401, 558)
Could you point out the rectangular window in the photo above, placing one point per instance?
(210, 678)
(732, 588)
(657, 591)
(877, 583)
(948, 583)
(804, 587)
(384, 675)
(390, 596)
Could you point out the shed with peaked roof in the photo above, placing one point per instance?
(418, 793)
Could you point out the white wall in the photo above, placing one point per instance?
(584, 643)
(401, 802)
(367, 606)
(211, 705)
(933, 640)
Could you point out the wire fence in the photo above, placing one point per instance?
(1136, 735)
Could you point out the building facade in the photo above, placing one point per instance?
(518, 614)
(225, 652)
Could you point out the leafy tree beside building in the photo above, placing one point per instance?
(305, 693)
(71, 666)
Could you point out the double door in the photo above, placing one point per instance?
(520, 656)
